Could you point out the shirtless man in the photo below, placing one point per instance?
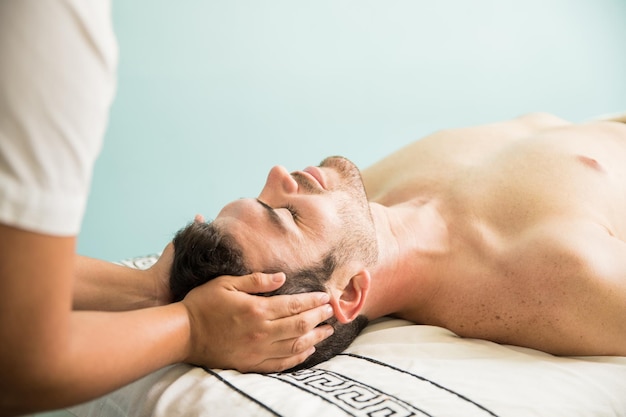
(513, 232)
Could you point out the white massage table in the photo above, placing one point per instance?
(394, 368)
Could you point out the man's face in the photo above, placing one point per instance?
(299, 217)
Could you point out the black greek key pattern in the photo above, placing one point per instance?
(353, 397)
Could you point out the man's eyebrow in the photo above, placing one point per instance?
(274, 217)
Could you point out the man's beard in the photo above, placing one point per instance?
(358, 235)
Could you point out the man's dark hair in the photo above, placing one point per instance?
(203, 252)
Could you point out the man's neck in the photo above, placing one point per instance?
(412, 239)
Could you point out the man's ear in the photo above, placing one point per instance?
(350, 301)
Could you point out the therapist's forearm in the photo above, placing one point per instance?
(104, 351)
(105, 286)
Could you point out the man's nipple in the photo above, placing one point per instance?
(590, 163)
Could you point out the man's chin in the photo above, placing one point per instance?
(338, 162)
(346, 169)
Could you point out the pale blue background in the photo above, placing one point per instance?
(212, 94)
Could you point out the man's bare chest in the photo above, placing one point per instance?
(524, 183)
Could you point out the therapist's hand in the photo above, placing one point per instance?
(233, 329)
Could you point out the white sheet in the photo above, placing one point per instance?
(394, 368)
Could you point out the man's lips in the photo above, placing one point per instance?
(316, 173)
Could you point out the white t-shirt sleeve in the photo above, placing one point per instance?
(58, 62)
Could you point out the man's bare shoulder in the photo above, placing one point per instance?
(478, 138)
(539, 121)
(520, 126)
(619, 117)
(443, 155)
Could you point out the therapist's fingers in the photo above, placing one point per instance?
(257, 282)
(281, 305)
(294, 305)
(295, 351)
(298, 325)
(294, 340)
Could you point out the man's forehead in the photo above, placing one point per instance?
(246, 217)
(263, 247)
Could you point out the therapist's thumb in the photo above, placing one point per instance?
(259, 282)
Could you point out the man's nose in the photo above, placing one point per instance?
(280, 181)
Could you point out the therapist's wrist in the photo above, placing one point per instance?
(159, 276)
(157, 286)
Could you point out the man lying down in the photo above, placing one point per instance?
(514, 232)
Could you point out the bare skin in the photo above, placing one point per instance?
(513, 232)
